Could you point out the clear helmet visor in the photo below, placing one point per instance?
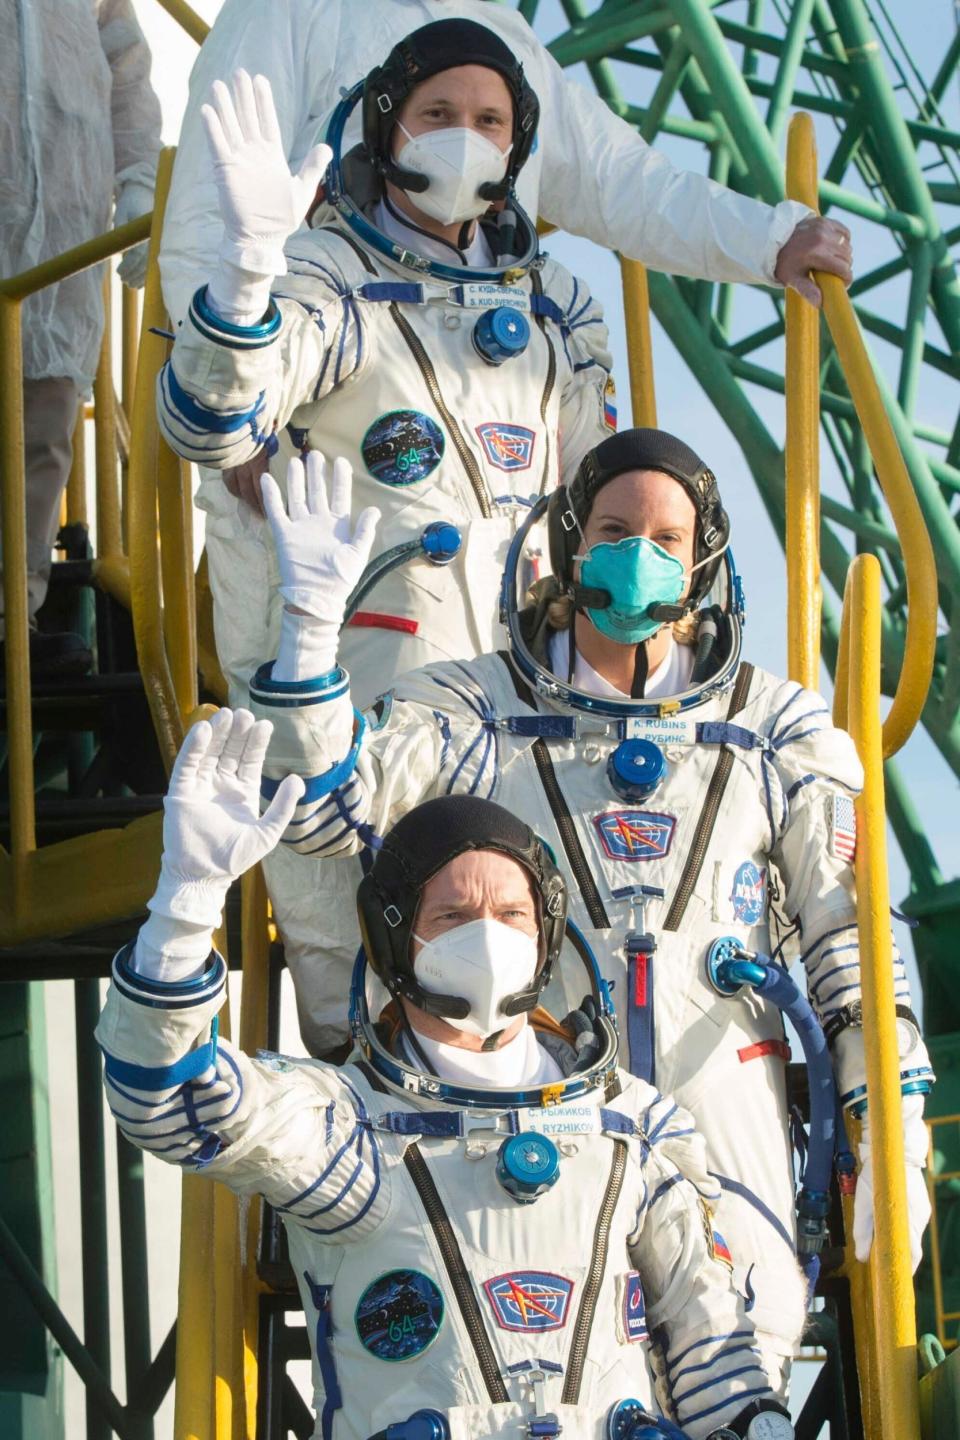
(575, 978)
(528, 567)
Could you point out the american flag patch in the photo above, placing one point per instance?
(842, 819)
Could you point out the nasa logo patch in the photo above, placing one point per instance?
(507, 447)
(635, 834)
(399, 1315)
(529, 1300)
(633, 1313)
(402, 447)
(749, 893)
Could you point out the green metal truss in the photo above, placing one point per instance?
(727, 74)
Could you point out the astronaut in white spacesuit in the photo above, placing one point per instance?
(481, 1195)
(454, 366)
(591, 173)
(681, 790)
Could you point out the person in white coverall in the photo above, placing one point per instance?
(487, 1218)
(683, 791)
(404, 349)
(79, 138)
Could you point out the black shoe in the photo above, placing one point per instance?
(52, 657)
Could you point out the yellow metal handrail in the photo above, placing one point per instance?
(802, 384)
(884, 1312)
(146, 459)
(921, 576)
(36, 893)
(636, 314)
(933, 1180)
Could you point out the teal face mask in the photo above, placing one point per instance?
(638, 575)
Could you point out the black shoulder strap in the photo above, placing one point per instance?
(700, 843)
(523, 691)
(355, 246)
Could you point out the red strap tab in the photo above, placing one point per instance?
(640, 980)
(764, 1047)
(372, 620)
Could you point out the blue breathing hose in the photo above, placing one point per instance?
(730, 968)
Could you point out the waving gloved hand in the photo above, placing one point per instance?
(261, 201)
(212, 833)
(915, 1145)
(321, 555)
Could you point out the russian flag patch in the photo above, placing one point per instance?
(610, 404)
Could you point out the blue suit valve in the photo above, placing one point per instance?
(636, 768)
(500, 334)
(628, 1420)
(730, 967)
(441, 542)
(528, 1165)
(422, 1425)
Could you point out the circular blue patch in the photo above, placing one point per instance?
(402, 447)
(399, 1315)
(749, 893)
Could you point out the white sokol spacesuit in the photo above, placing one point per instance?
(592, 174)
(492, 1259)
(678, 819)
(399, 363)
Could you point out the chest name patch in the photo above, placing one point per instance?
(402, 447)
(633, 1312)
(399, 1315)
(635, 834)
(530, 1300)
(507, 447)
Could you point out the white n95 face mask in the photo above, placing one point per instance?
(456, 163)
(484, 962)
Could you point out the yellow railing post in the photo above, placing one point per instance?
(187, 18)
(145, 577)
(803, 438)
(77, 483)
(23, 838)
(636, 312)
(109, 542)
(253, 1036)
(890, 1273)
(193, 1399)
(176, 566)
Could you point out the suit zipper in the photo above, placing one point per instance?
(709, 813)
(467, 458)
(591, 1286)
(458, 1274)
(536, 285)
(569, 837)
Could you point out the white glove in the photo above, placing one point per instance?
(261, 202)
(321, 556)
(133, 200)
(212, 833)
(916, 1143)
